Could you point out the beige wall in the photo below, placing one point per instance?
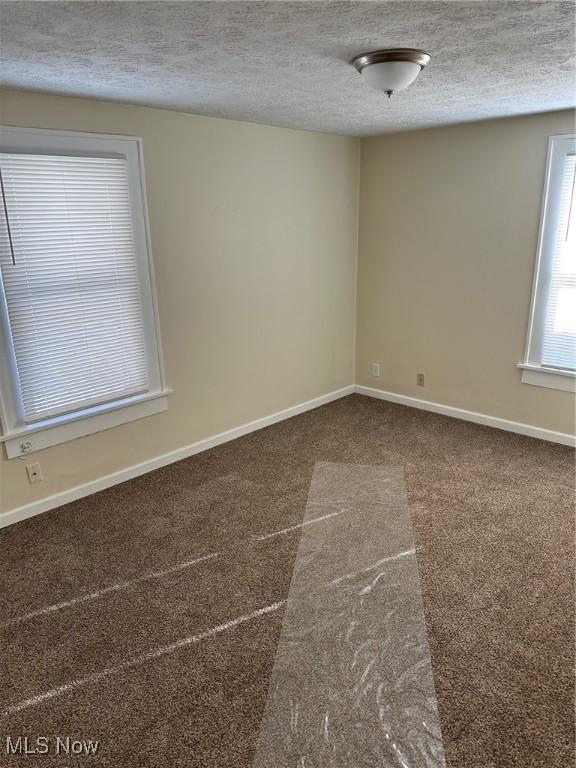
(254, 240)
(254, 237)
(448, 232)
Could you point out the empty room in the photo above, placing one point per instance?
(287, 384)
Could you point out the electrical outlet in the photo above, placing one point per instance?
(34, 473)
(376, 369)
(420, 379)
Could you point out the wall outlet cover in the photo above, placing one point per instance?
(34, 473)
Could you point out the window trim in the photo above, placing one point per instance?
(552, 378)
(533, 372)
(18, 437)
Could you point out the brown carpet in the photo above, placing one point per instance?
(493, 515)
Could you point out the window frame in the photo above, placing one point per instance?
(533, 372)
(20, 438)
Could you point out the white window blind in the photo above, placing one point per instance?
(72, 295)
(550, 359)
(559, 333)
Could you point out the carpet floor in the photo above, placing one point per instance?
(117, 611)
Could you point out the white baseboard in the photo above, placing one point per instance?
(86, 489)
(477, 418)
(58, 499)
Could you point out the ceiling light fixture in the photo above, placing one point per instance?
(392, 69)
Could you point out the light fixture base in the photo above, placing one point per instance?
(413, 55)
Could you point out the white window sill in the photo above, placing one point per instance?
(551, 378)
(35, 437)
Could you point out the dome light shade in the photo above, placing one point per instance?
(391, 70)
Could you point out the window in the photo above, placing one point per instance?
(79, 348)
(551, 348)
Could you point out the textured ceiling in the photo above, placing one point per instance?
(286, 63)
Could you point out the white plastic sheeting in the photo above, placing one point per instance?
(352, 682)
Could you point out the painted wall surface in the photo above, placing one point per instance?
(254, 234)
(449, 221)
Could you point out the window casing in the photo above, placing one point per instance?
(550, 359)
(79, 334)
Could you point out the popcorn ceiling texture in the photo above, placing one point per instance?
(287, 63)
